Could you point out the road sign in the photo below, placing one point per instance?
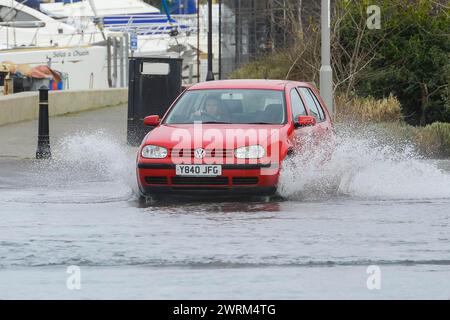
(133, 42)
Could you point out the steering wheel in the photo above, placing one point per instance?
(205, 117)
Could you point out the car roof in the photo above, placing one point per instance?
(246, 84)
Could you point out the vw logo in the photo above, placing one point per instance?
(199, 153)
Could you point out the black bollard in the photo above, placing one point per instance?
(43, 147)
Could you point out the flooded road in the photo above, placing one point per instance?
(369, 206)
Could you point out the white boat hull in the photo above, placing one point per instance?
(86, 66)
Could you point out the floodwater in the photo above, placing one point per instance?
(374, 203)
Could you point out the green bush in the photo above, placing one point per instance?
(412, 59)
(434, 139)
(368, 109)
(269, 67)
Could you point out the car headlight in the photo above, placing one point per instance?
(250, 152)
(154, 152)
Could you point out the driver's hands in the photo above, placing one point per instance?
(203, 116)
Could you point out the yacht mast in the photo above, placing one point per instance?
(100, 25)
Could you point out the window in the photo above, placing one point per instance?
(306, 93)
(298, 108)
(237, 106)
(8, 14)
(319, 107)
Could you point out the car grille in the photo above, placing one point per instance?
(239, 181)
(200, 188)
(156, 180)
(200, 181)
(210, 153)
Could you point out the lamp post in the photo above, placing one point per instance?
(326, 73)
(220, 39)
(210, 75)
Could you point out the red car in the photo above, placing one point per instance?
(229, 137)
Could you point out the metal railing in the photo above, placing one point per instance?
(89, 31)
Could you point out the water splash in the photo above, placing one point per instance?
(100, 153)
(97, 166)
(87, 167)
(365, 164)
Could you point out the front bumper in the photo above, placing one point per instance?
(215, 191)
(236, 179)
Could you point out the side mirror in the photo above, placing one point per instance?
(152, 121)
(304, 121)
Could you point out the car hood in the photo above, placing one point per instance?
(214, 135)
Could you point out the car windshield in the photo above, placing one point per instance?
(231, 106)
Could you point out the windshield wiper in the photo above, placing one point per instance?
(260, 123)
(215, 122)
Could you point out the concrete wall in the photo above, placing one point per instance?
(18, 107)
(24, 106)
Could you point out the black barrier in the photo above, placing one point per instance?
(154, 84)
(43, 146)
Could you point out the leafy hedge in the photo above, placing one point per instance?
(412, 59)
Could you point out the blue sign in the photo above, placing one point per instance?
(133, 42)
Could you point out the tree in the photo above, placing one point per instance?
(411, 60)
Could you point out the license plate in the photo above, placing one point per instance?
(199, 170)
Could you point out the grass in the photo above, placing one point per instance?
(368, 109)
(269, 67)
(432, 140)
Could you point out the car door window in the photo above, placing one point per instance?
(298, 108)
(310, 103)
(319, 106)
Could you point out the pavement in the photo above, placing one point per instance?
(19, 141)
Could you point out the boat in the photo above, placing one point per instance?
(32, 38)
(157, 33)
(172, 33)
(80, 51)
(22, 26)
(87, 40)
(100, 8)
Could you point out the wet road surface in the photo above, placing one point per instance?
(369, 206)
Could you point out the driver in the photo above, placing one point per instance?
(212, 111)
